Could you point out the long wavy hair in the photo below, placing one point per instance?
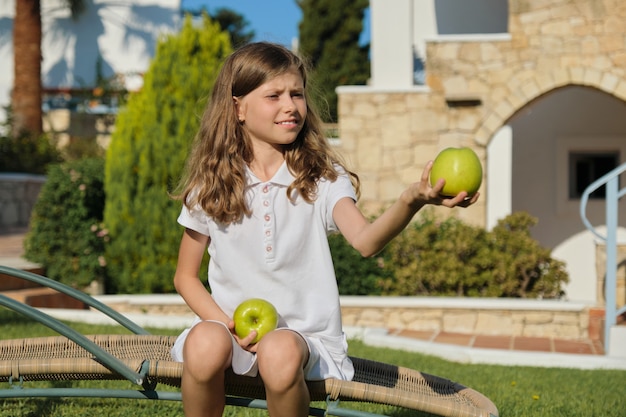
(214, 177)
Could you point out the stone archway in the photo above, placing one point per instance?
(540, 182)
(525, 86)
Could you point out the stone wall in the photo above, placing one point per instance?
(506, 317)
(474, 84)
(18, 194)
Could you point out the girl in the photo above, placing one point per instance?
(262, 190)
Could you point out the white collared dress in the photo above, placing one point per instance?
(280, 253)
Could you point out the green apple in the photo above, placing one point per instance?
(255, 314)
(460, 168)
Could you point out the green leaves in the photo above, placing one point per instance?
(66, 231)
(455, 259)
(329, 37)
(147, 154)
(450, 258)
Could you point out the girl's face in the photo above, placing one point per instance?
(274, 112)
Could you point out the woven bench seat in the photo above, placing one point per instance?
(144, 359)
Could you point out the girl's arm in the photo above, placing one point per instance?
(186, 281)
(192, 248)
(370, 238)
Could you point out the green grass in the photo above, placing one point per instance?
(517, 391)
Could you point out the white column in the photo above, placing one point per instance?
(391, 43)
(499, 176)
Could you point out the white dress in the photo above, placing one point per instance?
(280, 253)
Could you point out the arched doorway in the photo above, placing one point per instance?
(548, 151)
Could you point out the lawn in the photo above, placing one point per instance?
(517, 391)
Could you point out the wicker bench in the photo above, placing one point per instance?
(144, 359)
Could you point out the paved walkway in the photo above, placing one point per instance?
(526, 344)
(509, 350)
(12, 249)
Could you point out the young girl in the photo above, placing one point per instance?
(262, 190)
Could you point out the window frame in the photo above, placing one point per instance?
(568, 145)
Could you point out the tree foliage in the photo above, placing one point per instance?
(236, 26)
(66, 233)
(27, 153)
(230, 21)
(147, 153)
(329, 38)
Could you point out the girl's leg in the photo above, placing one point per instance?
(207, 355)
(281, 357)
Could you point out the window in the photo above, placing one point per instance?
(585, 168)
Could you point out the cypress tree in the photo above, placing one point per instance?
(329, 38)
(147, 153)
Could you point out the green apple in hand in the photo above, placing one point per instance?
(461, 169)
(255, 314)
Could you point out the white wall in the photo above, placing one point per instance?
(579, 253)
(400, 29)
(391, 45)
(7, 10)
(123, 33)
(573, 118)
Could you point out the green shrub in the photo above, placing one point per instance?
(451, 258)
(66, 234)
(147, 153)
(82, 147)
(27, 154)
(517, 254)
(356, 275)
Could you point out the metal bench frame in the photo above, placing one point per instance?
(95, 357)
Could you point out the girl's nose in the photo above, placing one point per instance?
(289, 104)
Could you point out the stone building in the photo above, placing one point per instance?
(536, 87)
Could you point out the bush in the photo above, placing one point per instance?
(27, 154)
(147, 154)
(516, 254)
(357, 275)
(81, 148)
(66, 234)
(451, 258)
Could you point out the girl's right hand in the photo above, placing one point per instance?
(246, 342)
(422, 192)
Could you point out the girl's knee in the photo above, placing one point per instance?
(282, 355)
(208, 348)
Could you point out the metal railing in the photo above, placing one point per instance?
(613, 194)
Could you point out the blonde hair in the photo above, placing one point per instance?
(215, 175)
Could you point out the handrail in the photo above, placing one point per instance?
(613, 194)
(78, 295)
(593, 187)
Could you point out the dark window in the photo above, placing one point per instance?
(585, 168)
